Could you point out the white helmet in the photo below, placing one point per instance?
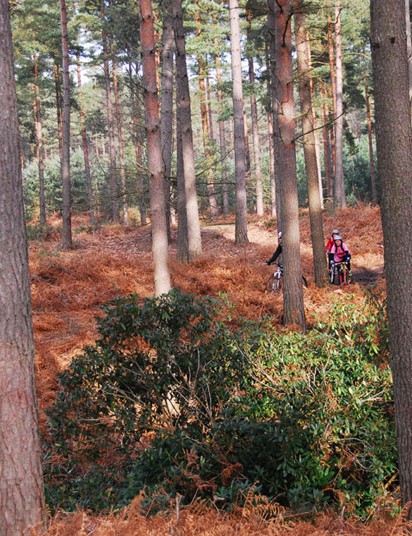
(280, 234)
(335, 231)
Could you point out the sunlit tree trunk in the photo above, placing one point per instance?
(222, 138)
(154, 150)
(184, 110)
(332, 69)
(204, 116)
(38, 119)
(239, 133)
(409, 45)
(394, 150)
(85, 145)
(309, 147)
(340, 196)
(293, 306)
(22, 506)
(67, 240)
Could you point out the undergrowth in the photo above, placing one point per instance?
(171, 401)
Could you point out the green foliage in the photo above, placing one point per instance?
(171, 401)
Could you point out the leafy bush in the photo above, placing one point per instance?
(171, 401)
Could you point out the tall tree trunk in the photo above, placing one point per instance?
(185, 116)
(137, 144)
(409, 46)
(274, 102)
(67, 241)
(309, 148)
(122, 163)
(270, 61)
(59, 112)
(340, 196)
(114, 194)
(255, 131)
(222, 137)
(154, 149)
(22, 505)
(327, 155)
(374, 190)
(394, 150)
(206, 137)
(38, 118)
(238, 126)
(85, 145)
(166, 117)
(332, 68)
(294, 311)
(182, 232)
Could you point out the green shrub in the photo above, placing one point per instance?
(171, 401)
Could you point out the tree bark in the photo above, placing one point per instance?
(340, 196)
(284, 130)
(222, 138)
(184, 110)
(154, 149)
(22, 504)
(239, 133)
(394, 150)
(67, 241)
(309, 148)
(166, 117)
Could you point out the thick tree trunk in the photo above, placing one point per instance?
(184, 110)
(309, 148)
(67, 240)
(294, 311)
(239, 133)
(340, 196)
(166, 116)
(154, 150)
(85, 145)
(38, 119)
(22, 504)
(394, 149)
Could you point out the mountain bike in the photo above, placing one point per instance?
(339, 274)
(275, 281)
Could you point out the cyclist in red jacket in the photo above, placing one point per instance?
(329, 244)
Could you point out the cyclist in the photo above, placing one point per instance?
(329, 244)
(278, 252)
(340, 252)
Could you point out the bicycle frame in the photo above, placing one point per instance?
(339, 274)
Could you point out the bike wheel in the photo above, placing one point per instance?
(274, 283)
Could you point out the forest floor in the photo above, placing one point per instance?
(69, 288)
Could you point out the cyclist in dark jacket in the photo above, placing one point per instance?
(278, 252)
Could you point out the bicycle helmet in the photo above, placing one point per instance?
(335, 231)
(337, 237)
(280, 234)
